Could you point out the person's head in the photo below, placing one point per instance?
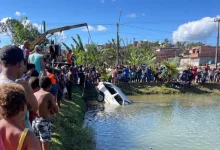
(12, 59)
(70, 51)
(33, 73)
(49, 70)
(45, 83)
(38, 49)
(30, 67)
(13, 101)
(71, 69)
(26, 44)
(35, 85)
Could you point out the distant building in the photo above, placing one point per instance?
(165, 54)
(135, 44)
(200, 55)
(99, 47)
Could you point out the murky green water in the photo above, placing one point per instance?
(160, 122)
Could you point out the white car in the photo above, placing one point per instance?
(111, 94)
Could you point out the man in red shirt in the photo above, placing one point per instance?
(69, 56)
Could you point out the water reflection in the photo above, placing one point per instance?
(160, 122)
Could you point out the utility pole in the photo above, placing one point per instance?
(118, 44)
(216, 53)
(44, 26)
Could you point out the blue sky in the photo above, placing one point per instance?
(184, 20)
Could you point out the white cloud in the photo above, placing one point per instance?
(133, 15)
(17, 13)
(102, 1)
(101, 28)
(38, 26)
(199, 30)
(59, 37)
(61, 34)
(98, 28)
(91, 28)
(5, 19)
(143, 14)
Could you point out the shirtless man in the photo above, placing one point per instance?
(13, 107)
(47, 106)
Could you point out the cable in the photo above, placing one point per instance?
(162, 30)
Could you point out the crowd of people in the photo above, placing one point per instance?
(143, 73)
(30, 96)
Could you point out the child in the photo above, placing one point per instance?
(54, 88)
(34, 82)
(13, 107)
(47, 107)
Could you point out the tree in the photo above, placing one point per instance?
(79, 44)
(19, 30)
(171, 68)
(88, 55)
(192, 44)
(166, 42)
(140, 55)
(110, 51)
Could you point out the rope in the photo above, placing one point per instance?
(89, 34)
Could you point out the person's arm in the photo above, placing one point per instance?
(32, 141)
(31, 99)
(53, 107)
(43, 66)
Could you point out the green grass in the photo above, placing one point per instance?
(160, 88)
(68, 133)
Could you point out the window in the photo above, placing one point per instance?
(119, 99)
(110, 89)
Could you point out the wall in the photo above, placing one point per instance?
(189, 61)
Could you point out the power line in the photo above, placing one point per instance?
(161, 30)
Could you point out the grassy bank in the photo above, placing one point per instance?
(159, 88)
(68, 133)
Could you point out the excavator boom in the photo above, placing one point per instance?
(52, 31)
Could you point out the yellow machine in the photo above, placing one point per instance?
(42, 37)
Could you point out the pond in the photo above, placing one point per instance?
(158, 123)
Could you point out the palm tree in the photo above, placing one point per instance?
(79, 45)
(110, 51)
(172, 71)
(166, 42)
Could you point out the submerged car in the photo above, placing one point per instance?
(111, 94)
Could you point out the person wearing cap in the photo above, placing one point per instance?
(12, 60)
(37, 59)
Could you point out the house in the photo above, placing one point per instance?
(165, 54)
(200, 55)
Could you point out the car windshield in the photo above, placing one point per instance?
(110, 88)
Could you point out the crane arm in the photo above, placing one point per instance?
(52, 31)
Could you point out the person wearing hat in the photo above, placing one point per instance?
(37, 59)
(12, 60)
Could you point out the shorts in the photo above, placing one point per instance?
(89, 82)
(54, 89)
(42, 129)
(59, 96)
(64, 90)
